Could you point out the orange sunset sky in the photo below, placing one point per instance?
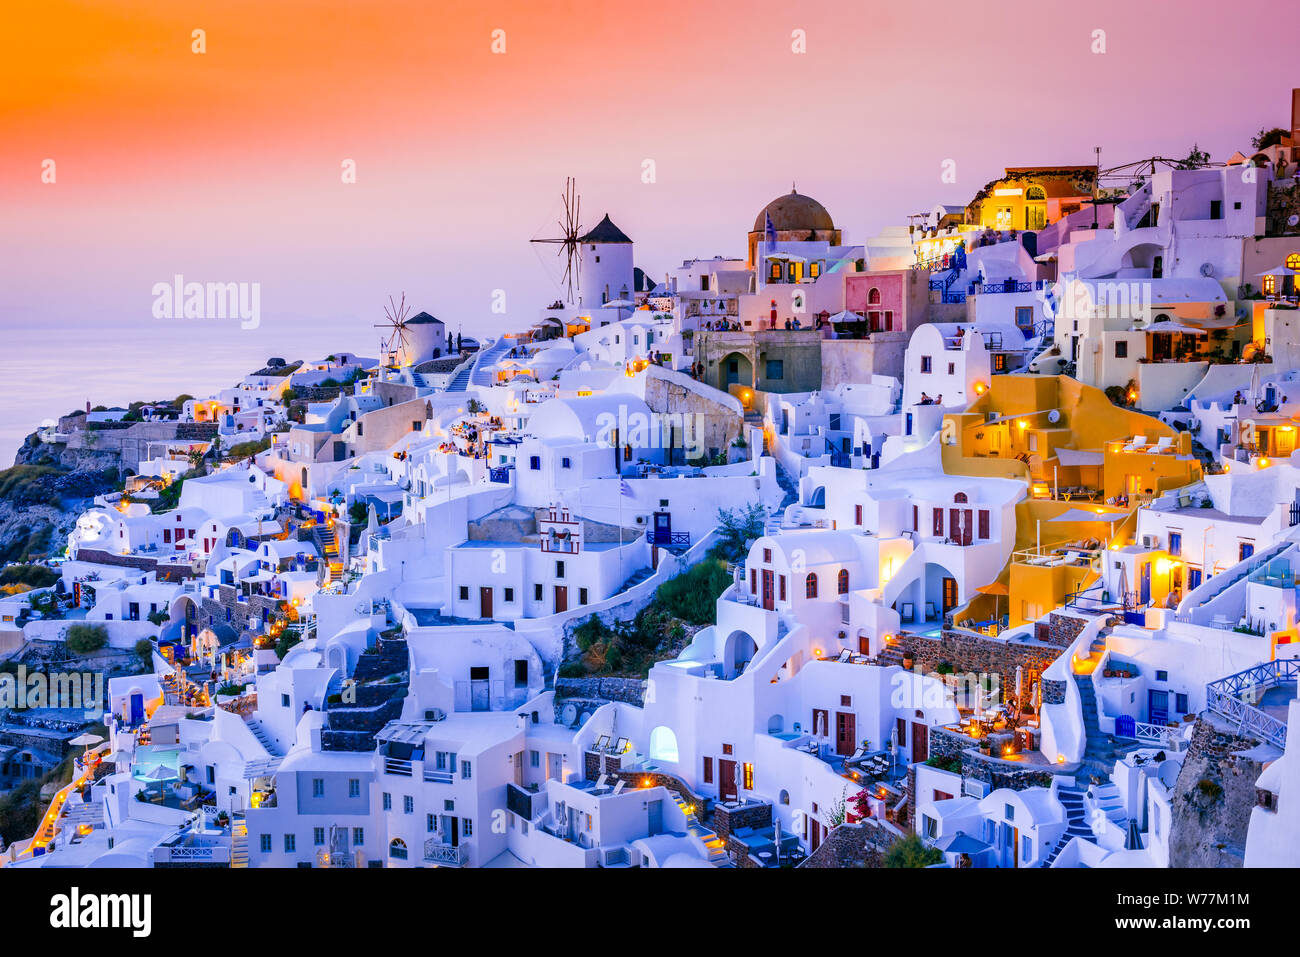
(226, 165)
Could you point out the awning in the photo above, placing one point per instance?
(1079, 457)
(1089, 515)
(1168, 325)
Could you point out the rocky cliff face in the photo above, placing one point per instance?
(44, 492)
(1213, 798)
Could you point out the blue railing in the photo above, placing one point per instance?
(1224, 697)
(667, 539)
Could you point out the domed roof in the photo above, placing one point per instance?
(794, 211)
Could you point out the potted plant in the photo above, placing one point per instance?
(908, 660)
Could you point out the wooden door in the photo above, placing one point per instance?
(949, 594)
(845, 732)
(767, 589)
(920, 742)
(727, 779)
(485, 602)
(561, 598)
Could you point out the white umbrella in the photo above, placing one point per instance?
(86, 738)
(618, 304)
(787, 257)
(1279, 271)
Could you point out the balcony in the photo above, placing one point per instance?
(667, 539)
(444, 855)
(520, 800)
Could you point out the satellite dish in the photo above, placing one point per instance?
(1207, 269)
(1054, 416)
(1293, 219)
(569, 715)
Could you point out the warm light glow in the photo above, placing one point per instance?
(1022, 424)
(979, 388)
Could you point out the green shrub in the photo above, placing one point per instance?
(35, 576)
(911, 851)
(83, 639)
(692, 596)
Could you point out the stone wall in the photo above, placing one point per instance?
(726, 821)
(972, 653)
(1063, 629)
(164, 572)
(627, 690)
(852, 845)
(1213, 797)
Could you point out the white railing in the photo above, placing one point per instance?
(438, 853)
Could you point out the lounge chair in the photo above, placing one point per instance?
(601, 743)
(620, 746)
(618, 788)
(907, 613)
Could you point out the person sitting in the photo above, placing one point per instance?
(925, 399)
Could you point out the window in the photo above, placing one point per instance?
(318, 836)
(810, 585)
(265, 843)
(846, 701)
(1245, 551)
(1121, 349)
(776, 368)
(535, 759)
(726, 749)
(708, 770)
(1175, 543)
(559, 569)
(857, 514)
(747, 776)
(1180, 703)
(564, 462)
(1009, 812)
(767, 555)
(984, 523)
(397, 849)
(537, 593)
(1216, 209)
(780, 581)
(358, 836)
(582, 596)
(952, 367)
(212, 774)
(431, 822)
(1025, 317)
(938, 522)
(388, 801)
(317, 787)
(354, 787)
(408, 804)
(508, 595)
(1162, 675)
(467, 827)
(926, 365)
(284, 701)
(842, 585)
(535, 462)
(466, 772)
(290, 843)
(464, 593)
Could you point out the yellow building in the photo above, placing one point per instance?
(1032, 197)
(1088, 464)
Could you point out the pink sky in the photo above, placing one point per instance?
(226, 166)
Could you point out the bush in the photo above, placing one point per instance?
(83, 639)
(693, 595)
(736, 530)
(911, 851)
(144, 651)
(34, 576)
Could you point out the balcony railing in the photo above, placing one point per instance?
(444, 854)
(397, 766)
(1225, 697)
(658, 537)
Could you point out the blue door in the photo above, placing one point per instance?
(1193, 578)
(1144, 586)
(1157, 707)
(137, 708)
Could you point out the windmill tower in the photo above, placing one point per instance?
(396, 345)
(570, 231)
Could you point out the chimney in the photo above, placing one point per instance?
(1295, 112)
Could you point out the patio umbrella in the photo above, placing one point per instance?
(86, 738)
(618, 304)
(1279, 271)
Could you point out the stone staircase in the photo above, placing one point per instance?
(238, 841)
(328, 542)
(264, 737)
(1076, 821)
(382, 678)
(715, 846)
(636, 578)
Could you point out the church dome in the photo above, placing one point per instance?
(794, 211)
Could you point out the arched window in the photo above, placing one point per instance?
(810, 585)
(959, 497)
(397, 849)
(873, 297)
(844, 581)
(1036, 194)
(1293, 261)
